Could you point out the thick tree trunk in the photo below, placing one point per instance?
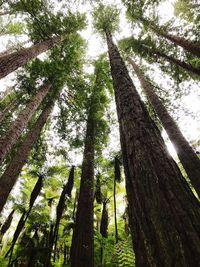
(15, 131)
(6, 225)
(164, 213)
(7, 109)
(10, 63)
(13, 170)
(186, 154)
(82, 251)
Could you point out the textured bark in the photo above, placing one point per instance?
(186, 154)
(10, 63)
(104, 221)
(7, 109)
(9, 177)
(15, 131)
(164, 214)
(82, 251)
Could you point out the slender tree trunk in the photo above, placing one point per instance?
(186, 154)
(6, 225)
(178, 62)
(82, 251)
(15, 131)
(190, 46)
(7, 109)
(164, 214)
(115, 212)
(3, 13)
(10, 63)
(9, 177)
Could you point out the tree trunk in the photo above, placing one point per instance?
(3, 13)
(164, 214)
(82, 251)
(190, 46)
(15, 131)
(115, 212)
(11, 62)
(7, 109)
(186, 154)
(13, 170)
(177, 62)
(6, 225)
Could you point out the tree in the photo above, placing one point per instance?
(16, 128)
(10, 63)
(156, 190)
(82, 248)
(9, 177)
(186, 154)
(161, 31)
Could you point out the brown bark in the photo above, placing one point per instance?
(186, 154)
(3, 13)
(7, 109)
(82, 251)
(11, 62)
(190, 46)
(164, 214)
(115, 211)
(15, 131)
(9, 177)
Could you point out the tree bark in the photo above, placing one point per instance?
(15, 131)
(164, 214)
(115, 212)
(82, 251)
(186, 154)
(9, 177)
(7, 109)
(11, 62)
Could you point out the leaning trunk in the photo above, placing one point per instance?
(6, 225)
(11, 62)
(164, 214)
(82, 241)
(190, 46)
(15, 131)
(186, 154)
(7, 109)
(13, 170)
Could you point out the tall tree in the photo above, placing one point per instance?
(156, 190)
(82, 248)
(16, 128)
(186, 154)
(132, 6)
(9, 177)
(11, 62)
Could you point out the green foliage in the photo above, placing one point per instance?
(106, 19)
(123, 254)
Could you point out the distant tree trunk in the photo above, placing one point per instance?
(190, 46)
(67, 189)
(15, 131)
(34, 194)
(11, 62)
(3, 13)
(6, 225)
(82, 251)
(7, 109)
(164, 214)
(186, 154)
(115, 212)
(9, 177)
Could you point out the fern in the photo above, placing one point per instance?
(123, 255)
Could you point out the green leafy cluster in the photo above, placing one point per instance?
(123, 255)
